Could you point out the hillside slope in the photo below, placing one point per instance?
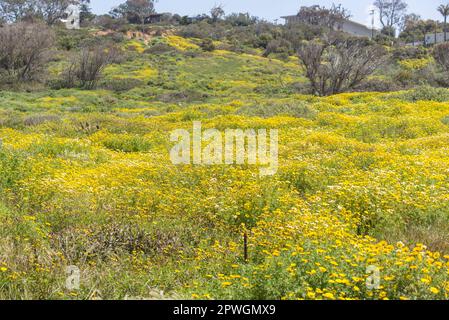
(87, 181)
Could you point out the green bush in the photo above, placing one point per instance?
(207, 45)
(126, 143)
(122, 85)
(427, 93)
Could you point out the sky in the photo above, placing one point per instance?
(272, 10)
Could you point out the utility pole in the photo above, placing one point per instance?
(436, 28)
(372, 12)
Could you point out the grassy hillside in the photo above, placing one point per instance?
(87, 181)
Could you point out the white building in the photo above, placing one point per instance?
(73, 17)
(348, 26)
(432, 38)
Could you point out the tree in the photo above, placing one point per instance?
(135, 11)
(87, 69)
(335, 66)
(24, 50)
(53, 10)
(217, 12)
(331, 18)
(391, 13)
(15, 10)
(444, 10)
(85, 11)
(240, 19)
(50, 11)
(441, 55)
(415, 29)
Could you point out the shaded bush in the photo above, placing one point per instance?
(126, 143)
(378, 85)
(278, 46)
(207, 45)
(122, 85)
(441, 55)
(339, 65)
(24, 51)
(108, 23)
(159, 48)
(427, 93)
(241, 19)
(70, 39)
(86, 70)
(36, 120)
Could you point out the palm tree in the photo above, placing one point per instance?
(444, 10)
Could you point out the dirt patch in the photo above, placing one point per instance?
(104, 33)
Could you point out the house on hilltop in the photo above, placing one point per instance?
(348, 26)
(157, 18)
(154, 18)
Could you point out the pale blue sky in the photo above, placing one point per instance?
(270, 9)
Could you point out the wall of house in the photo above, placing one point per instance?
(292, 19)
(348, 27)
(356, 29)
(430, 38)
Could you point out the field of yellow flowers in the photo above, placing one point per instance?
(86, 181)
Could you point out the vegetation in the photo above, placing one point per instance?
(444, 11)
(86, 178)
(51, 11)
(86, 70)
(24, 51)
(135, 11)
(340, 65)
(391, 14)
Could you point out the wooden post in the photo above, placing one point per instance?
(245, 246)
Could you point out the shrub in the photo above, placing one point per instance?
(70, 39)
(378, 85)
(126, 143)
(159, 48)
(407, 52)
(24, 51)
(339, 65)
(415, 64)
(295, 34)
(241, 19)
(445, 120)
(86, 70)
(277, 46)
(441, 55)
(203, 30)
(67, 43)
(427, 93)
(108, 23)
(36, 120)
(336, 66)
(122, 85)
(207, 45)
(117, 37)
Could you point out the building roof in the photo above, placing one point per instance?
(357, 24)
(346, 20)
